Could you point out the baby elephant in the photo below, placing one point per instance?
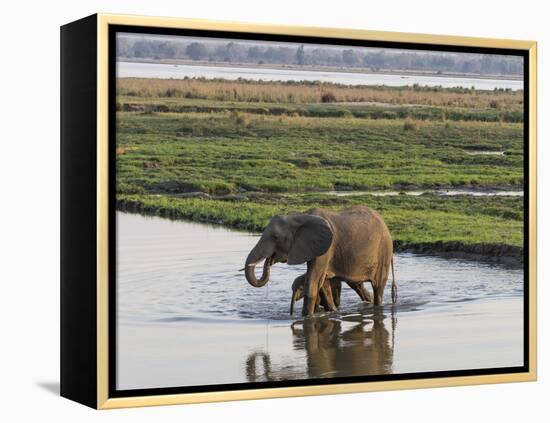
(330, 293)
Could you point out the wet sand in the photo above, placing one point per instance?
(187, 352)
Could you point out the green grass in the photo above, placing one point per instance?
(228, 152)
(280, 157)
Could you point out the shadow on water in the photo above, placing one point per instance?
(353, 345)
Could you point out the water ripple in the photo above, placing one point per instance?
(180, 271)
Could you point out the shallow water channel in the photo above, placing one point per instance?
(186, 316)
(440, 192)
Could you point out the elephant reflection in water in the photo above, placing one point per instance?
(366, 348)
(252, 372)
(259, 369)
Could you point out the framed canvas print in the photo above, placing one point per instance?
(256, 211)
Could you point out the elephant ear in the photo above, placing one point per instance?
(312, 239)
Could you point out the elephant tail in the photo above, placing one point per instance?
(393, 284)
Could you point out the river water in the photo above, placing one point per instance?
(186, 316)
(167, 71)
(440, 192)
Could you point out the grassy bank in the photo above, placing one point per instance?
(428, 224)
(276, 155)
(334, 110)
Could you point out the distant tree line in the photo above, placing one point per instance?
(374, 59)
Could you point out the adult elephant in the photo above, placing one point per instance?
(353, 245)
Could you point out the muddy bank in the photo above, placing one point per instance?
(509, 255)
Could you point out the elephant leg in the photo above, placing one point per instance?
(336, 288)
(378, 295)
(322, 298)
(326, 295)
(316, 271)
(318, 303)
(379, 284)
(361, 291)
(364, 293)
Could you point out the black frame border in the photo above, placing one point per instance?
(112, 336)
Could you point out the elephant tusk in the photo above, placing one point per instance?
(248, 265)
(271, 261)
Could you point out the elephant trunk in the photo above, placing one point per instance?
(297, 293)
(295, 297)
(250, 272)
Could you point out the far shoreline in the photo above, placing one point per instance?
(313, 68)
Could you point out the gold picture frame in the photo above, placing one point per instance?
(79, 384)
